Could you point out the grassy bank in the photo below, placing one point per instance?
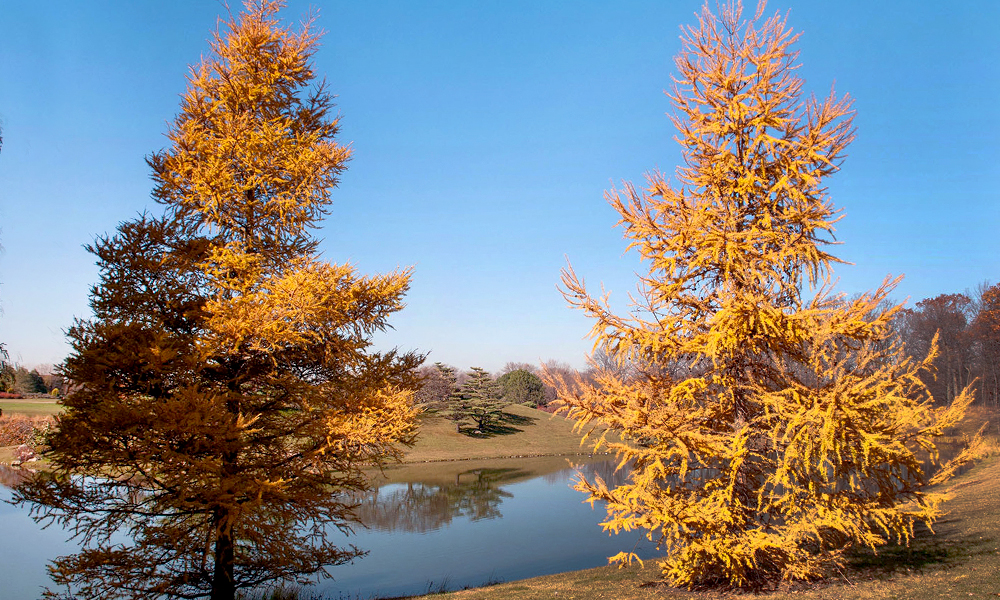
(526, 432)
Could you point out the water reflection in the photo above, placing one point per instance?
(466, 523)
(11, 477)
(420, 507)
(458, 524)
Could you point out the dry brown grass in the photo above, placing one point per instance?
(17, 429)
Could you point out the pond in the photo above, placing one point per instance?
(433, 526)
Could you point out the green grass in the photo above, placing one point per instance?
(30, 406)
(526, 432)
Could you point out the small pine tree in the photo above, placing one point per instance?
(480, 400)
(766, 431)
(437, 383)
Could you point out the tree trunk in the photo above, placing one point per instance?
(223, 586)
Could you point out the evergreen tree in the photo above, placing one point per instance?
(226, 383)
(522, 387)
(28, 382)
(768, 430)
(479, 400)
(438, 383)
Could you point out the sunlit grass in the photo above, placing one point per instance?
(530, 432)
(30, 406)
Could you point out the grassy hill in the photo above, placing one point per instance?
(526, 432)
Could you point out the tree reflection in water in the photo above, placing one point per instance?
(11, 477)
(420, 507)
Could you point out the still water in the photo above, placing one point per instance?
(429, 526)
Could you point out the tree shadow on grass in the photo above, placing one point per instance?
(508, 424)
(926, 550)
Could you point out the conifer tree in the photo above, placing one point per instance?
(522, 387)
(225, 391)
(480, 400)
(771, 426)
(438, 383)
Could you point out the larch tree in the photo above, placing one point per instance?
(770, 426)
(225, 397)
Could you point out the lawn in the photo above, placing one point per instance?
(30, 406)
(526, 432)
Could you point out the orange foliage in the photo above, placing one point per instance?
(766, 425)
(227, 379)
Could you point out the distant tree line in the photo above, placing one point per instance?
(475, 399)
(967, 327)
(15, 379)
(443, 386)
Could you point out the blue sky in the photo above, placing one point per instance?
(484, 136)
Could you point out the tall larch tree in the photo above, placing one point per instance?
(225, 396)
(771, 426)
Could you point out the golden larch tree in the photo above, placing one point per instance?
(225, 395)
(771, 424)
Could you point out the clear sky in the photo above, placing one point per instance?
(484, 135)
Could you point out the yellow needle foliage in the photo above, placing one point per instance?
(225, 397)
(768, 430)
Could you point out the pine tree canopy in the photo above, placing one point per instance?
(480, 400)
